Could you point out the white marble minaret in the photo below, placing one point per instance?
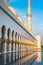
(29, 16)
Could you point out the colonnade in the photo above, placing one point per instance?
(14, 46)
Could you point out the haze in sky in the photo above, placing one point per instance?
(36, 10)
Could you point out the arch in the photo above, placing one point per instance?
(12, 34)
(3, 31)
(12, 40)
(8, 33)
(16, 36)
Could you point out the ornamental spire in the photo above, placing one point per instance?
(29, 16)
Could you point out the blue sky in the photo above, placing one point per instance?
(37, 13)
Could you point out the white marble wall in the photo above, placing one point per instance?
(9, 23)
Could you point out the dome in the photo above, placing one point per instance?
(12, 10)
(19, 19)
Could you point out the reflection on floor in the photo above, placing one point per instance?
(39, 60)
(39, 57)
(28, 60)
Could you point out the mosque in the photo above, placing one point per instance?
(16, 38)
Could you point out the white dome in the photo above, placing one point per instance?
(20, 19)
(12, 10)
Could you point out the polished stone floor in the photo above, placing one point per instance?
(35, 58)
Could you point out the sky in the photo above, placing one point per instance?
(37, 14)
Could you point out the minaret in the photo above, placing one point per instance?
(29, 16)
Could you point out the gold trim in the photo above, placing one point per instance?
(30, 43)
